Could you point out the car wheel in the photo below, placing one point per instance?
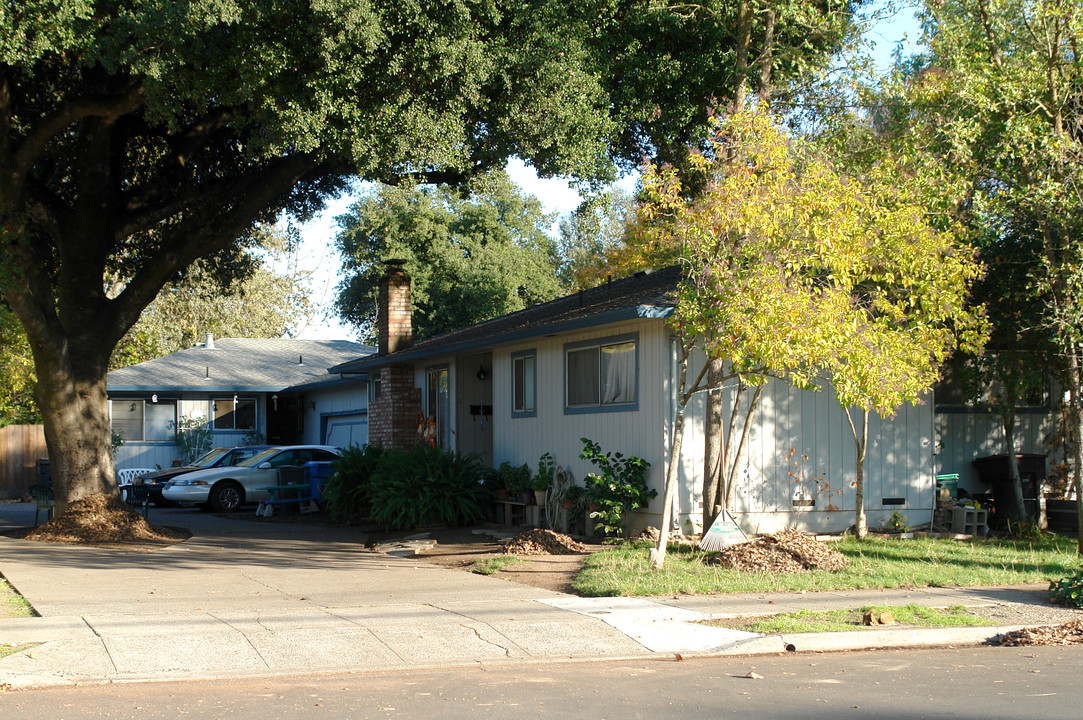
(226, 497)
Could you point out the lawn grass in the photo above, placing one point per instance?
(806, 621)
(6, 650)
(12, 604)
(491, 566)
(874, 563)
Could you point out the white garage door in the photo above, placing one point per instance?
(346, 430)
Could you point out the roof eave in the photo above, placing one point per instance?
(658, 312)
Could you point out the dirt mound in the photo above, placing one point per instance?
(543, 542)
(100, 520)
(785, 552)
(1070, 633)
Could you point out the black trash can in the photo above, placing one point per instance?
(996, 470)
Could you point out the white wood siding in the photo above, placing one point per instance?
(899, 463)
(963, 436)
(635, 432)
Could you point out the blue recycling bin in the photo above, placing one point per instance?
(318, 472)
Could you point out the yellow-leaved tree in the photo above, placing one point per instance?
(796, 272)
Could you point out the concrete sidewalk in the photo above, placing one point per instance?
(260, 598)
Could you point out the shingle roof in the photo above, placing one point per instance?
(239, 363)
(646, 294)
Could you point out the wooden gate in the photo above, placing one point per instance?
(21, 446)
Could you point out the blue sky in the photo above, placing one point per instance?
(317, 253)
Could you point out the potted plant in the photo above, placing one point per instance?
(517, 481)
(495, 482)
(539, 485)
(571, 497)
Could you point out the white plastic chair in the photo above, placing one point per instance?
(128, 475)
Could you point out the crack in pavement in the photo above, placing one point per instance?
(105, 645)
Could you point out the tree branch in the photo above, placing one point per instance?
(243, 200)
(39, 136)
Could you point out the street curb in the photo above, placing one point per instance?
(861, 640)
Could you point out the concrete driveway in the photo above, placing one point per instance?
(264, 598)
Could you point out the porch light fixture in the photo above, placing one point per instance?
(481, 374)
(274, 401)
(154, 398)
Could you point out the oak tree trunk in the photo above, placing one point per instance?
(71, 397)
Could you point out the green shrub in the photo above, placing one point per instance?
(426, 485)
(621, 486)
(349, 488)
(516, 478)
(193, 438)
(1068, 590)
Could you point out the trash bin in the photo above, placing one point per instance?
(949, 481)
(318, 473)
(45, 472)
(995, 470)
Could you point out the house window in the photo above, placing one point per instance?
(234, 413)
(602, 375)
(524, 384)
(438, 404)
(137, 420)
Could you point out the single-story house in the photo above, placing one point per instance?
(601, 364)
(249, 391)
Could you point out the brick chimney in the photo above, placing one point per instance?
(393, 414)
(393, 325)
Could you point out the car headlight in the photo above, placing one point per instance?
(189, 482)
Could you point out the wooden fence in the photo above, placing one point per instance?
(21, 446)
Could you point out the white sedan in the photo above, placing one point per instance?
(226, 489)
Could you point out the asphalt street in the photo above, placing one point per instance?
(973, 684)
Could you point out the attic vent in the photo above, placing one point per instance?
(209, 342)
(300, 359)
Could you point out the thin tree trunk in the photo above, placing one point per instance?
(740, 64)
(714, 442)
(658, 554)
(1075, 406)
(766, 60)
(733, 465)
(861, 443)
(1019, 509)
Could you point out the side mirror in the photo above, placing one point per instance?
(265, 466)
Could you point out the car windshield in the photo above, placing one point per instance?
(208, 458)
(257, 459)
(242, 454)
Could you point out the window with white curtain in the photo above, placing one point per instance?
(602, 375)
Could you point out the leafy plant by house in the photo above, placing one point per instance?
(572, 497)
(809, 488)
(621, 486)
(426, 485)
(516, 478)
(193, 437)
(546, 471)
(348, 492)
(1068, 590)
